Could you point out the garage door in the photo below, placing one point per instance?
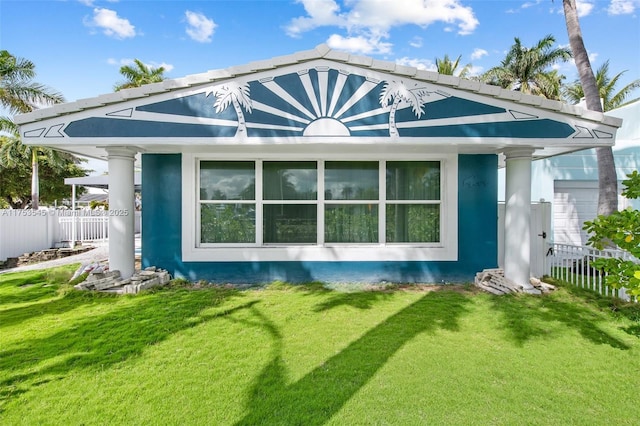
(575, 202)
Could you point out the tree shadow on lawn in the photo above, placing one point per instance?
(105, 340)
(31, 286)
(315, 398)
(526, 317)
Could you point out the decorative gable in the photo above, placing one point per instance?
(318, 101)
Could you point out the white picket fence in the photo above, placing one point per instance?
(573, 264)
(25, 231)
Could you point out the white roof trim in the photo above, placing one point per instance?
(321, 51)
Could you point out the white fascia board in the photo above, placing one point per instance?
(428, 76)
(322, 49)
(532, 100)
(336, 55)
(487, 89)
(364, 61)
(448, 80)
(612, 121)
(469, 85)
(405, 71)
(384, 66)
(510, 95)
(259, 66)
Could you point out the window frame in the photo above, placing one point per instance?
(445, 249)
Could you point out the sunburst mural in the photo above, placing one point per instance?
(319, 102)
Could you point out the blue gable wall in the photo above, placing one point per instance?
(477, 233)
(288, 105)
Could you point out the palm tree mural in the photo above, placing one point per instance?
(393, 93)
(236, 94)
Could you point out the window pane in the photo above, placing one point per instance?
(290, 223)
(413, 223)
(351, 223)
(227, 180)
(227, 223)
(351, 180)
(287, 180)
(413, 180)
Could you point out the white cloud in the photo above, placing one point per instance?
(527, 5)
(478, 53)
(359, 44)
(475, 71)
(377, 17)
(623, 7)
(416, 42)
(584, 7)
(111, 24)
(321, 13)
(421, 64)
(429, 65)
(129, 61)
(199, 27)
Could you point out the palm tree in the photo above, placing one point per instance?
(139, 75)
(526, 68)
(395, 92)
(606, 87)
(236, 94)
(607, 178)
(19, 94)
(448, 67)
(14, 152)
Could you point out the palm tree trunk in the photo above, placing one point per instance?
(242, 125)
(393, 128)
(35, 184)
(607, 179)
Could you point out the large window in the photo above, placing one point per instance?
(319, 203)
(413, 201)
(290, 193)
(227, 202)
(351, 191)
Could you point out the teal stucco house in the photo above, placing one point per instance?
(319, 165)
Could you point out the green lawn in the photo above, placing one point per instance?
(305, 355)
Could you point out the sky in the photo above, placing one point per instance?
(78, 46)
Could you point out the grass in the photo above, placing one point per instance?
(305, 355)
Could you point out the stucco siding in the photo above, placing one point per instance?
(477, 226)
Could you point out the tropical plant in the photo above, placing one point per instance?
(622, 229)
(236, 94)
(138, 75)
(19, 162)
(610, 98)
(526, 69)
(448, 67)
(607, 177)
(19, 94)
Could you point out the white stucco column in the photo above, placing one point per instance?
(517, 224)
(121, 210)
